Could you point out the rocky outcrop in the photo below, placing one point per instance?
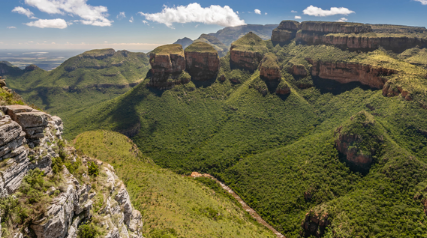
(390, 90)
(346, 72)
(335, 27)
(359, 141)
(298, 70)
(315, 223)
(167, 63)
(285, 31)
(247, 52)
(283, 89)
(98, 54)
(355, 42)
(202, 61)
(269, 69)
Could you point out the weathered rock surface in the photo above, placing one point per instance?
(298, 70)
(167, 62)
(202, 61)
(283, 89)
(247, 52)
(285, 31)
(346, 72)
(315, 223)
(269, 69)
(335, 27)
(390, 90)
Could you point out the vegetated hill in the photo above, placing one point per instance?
(80, 82)
(230, 34)
(184, 42)
(172, 205)
(281, 152)
(342, 153)
(212, 40)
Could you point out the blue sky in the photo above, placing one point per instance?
(88, 24)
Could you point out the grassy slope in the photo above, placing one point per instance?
(272, 149)
(171, 205)
(212, 40)
(199, 46)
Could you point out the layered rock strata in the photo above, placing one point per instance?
(202, 61)
(346, 72)
(315, 223)
(269, 69)
(298, 70)
(285, 31)
(247, 52)
(167, 64)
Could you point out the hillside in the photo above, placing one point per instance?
(172, 205)
(212, 40)
(320, 134)
(184, 42)
(230, 34)
(80, 82)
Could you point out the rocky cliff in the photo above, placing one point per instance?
(315, 222)
(354, 36)
(48, 189)
(202, 61)
(247, 52)
(167, 64)
(346, 72)
(269, 69)
(359, 141)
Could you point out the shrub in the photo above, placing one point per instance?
(93, 169)
(87, 231)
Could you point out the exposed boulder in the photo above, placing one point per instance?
(269, 69)
(202, 61)
(298, 70)
(315, 222)
(283, 89)
(167, 64)
(391, 90)
(346, 72)
(247, 52)
(359, 141)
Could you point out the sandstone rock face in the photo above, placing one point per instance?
(344, 72)
(283, 90)
(396, 44)
(269, 69)
(202, 61)
(344, 145)
(298, 70)
(167, 62)
(247, 52)
(245, 59)
(389, 90)
(315, 223)
(335, 27)
(285, 31)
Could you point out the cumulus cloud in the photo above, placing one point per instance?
(294, 11)
(121, 15)
(24, 11)
(91, 15)
(145, 22)
(131, 19)
(257, 11)
(297, 17)
(424, 2)
(319, 12)
(49, 23)
(343, 19)
(11, 27)
(214, 14)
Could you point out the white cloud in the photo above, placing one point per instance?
(91, 15)
(196, 26)
(319, 12)
(237, 12)
(214, 14)
(131, 19)
(49, 23)
(24, 11)
(424, 2)
(11, 27)
(121, 15)
(297, 17)
(265, 13)
(294, 11)
(257, 11)
(343, 19)
(145, 22)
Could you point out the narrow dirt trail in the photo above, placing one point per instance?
(245, 206)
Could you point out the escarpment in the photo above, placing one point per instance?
(354, 36)
(202, 61)
(359, 141)
(247, 52)
(346, 72)
(269, 69)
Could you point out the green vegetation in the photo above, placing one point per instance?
(87, 231)
(214, 42)
(199, 46)
(415, 56)
(169, 49)
(250, 42)
(269, 61)
(172, 205)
